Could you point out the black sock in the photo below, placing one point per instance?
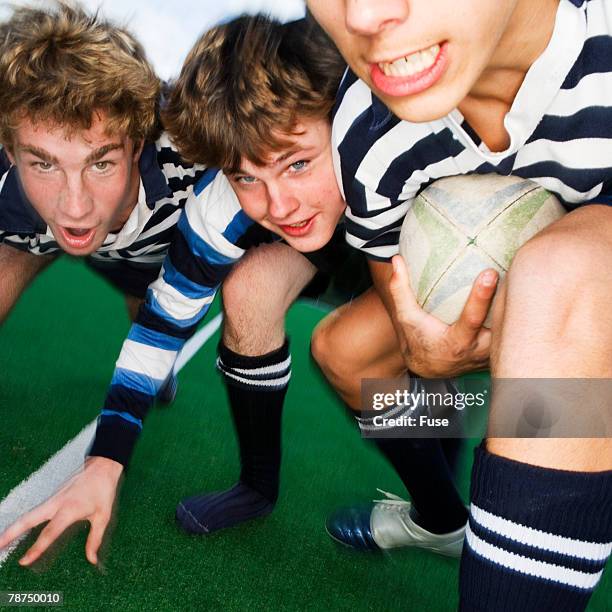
(256, 388)
(425, 472)
(421, 465)
(538, 538)
(451, 447)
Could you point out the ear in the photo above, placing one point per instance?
(138, 147)
(8, 153)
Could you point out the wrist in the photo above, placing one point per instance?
(104, 466)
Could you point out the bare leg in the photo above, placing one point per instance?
(254, 359)
(541, 514)
(357, 341)
(257, 295)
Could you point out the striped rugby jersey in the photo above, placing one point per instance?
(165, 183)
(213, 234)
(560, 128)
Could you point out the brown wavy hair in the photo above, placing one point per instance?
(245, 85)
(61, 65)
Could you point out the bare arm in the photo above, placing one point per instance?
(17, 269)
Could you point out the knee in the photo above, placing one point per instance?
(328, 352)
(251, 293)
(555, 263)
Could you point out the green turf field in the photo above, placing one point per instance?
(58, 351)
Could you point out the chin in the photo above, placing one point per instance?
(429, 105)
(308, 244)
(421, 112)
(78, 252)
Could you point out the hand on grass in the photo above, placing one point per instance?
(430, 347)
(88, 496)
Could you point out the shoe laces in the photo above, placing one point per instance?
(394, 503)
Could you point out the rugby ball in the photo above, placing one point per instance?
(460, 225)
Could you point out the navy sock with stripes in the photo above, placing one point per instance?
(256, 388)
(538, 539)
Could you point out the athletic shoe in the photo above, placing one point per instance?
(386, 524)
(167, 392)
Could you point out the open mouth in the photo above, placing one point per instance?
(77, 237)
(299, 228)
(412, 73)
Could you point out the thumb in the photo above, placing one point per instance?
(407, 309)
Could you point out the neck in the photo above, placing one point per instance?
(525, 38)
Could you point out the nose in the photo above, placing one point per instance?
(370, 17)
(281, 204)
(75, 202)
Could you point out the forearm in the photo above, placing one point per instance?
(17, 269)
(145, 362)
(198, 261)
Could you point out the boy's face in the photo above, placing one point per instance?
(420, 57)
(83, 185)
(295, 194)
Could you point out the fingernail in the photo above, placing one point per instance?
(488, 278)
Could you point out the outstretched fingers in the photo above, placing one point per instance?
(31, 519)
(54, 529)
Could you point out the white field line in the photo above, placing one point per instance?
(43, 483)
(193, 345)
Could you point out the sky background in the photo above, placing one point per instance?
(168, 28)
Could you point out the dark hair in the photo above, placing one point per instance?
(245, 85)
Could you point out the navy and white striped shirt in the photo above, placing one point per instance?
(165, 183)
(213, 234)
(560, 128)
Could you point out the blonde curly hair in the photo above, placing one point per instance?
(61, 65)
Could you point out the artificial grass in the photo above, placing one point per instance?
(53, 385)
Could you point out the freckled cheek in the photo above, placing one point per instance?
(43, 197)
(329, 193)
(110, 196)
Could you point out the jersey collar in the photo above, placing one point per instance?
(153, 180)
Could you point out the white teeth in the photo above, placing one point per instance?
(411, 64)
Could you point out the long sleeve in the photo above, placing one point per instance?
(200, 257)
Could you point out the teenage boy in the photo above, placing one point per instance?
(517, 86)
(254, 99)
(84, 167)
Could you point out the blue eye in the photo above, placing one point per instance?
(247, 180)
(299, 165)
